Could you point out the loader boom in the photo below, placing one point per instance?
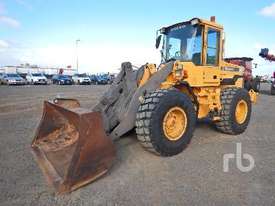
(120, 103)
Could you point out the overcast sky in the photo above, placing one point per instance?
(44, 32)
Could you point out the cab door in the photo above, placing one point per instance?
(212, 56)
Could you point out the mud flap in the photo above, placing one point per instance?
(71, 146)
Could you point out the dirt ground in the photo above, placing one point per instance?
(194, 177)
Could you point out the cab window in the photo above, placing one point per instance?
(196, 49)
(183, 43)
(213, 38)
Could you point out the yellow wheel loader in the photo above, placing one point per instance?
(74, 146)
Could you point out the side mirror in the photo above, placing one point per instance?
(158, 39)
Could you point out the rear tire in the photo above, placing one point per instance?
(151, 125)
(247, 85)
(232, 121)
(272, 89)
(256, 85)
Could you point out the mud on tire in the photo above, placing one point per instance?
(229, 100)
(149, 122)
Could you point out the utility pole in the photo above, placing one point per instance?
(76, 44)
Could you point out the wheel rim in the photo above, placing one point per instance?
(241, 111)
(174, 123)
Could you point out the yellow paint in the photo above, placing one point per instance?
(174, 123)
(149, 70)
(253, 95)
(204, 80)
(209, 100)
(211, 24)
(241, 111)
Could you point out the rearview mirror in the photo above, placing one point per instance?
(158, 39)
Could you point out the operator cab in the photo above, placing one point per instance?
(198, 41)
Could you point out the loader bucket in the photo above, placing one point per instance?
(71, 146)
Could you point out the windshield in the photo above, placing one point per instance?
(37, 75)
(103, 77)
(183, 43)
(63, 77)
(81, 75)
(13, 75)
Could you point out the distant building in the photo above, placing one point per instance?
(27, 68)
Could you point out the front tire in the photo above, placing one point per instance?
(165, 122)
(236, 111)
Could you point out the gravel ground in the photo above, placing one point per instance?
(194, 177)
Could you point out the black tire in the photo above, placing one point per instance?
(229, 100)
(149, 122)
(272, 89)
(256, 85)
(247, 85)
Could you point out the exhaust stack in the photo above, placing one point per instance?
(213, 18)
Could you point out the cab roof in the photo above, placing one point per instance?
(199, 21)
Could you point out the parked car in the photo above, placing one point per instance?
(272, 89)
(99, 79)
(93, 79)
(1, 78)
(81, 79)
(13, 79)
(62, 79)
(36, 78)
